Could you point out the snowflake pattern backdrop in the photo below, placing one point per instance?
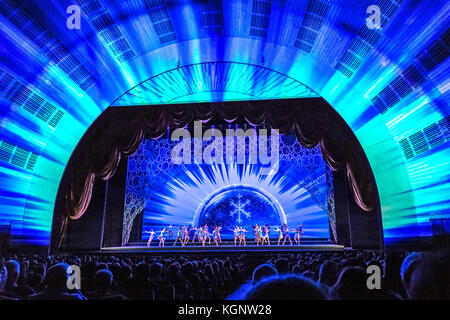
(230, 194)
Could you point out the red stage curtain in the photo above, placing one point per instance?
(98, 156)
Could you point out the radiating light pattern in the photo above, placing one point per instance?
(389, 85)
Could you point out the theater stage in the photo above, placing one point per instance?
(225, 247)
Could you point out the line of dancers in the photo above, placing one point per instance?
(202, 235)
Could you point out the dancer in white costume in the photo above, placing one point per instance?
(236, 234)
(286, 234)
(280, 234)
(195, 234)
(186, 236)
(206, 235)
(161, 238)
(242, 232)
(150, 238)
(265, 236)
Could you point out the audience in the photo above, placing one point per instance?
(258, 276)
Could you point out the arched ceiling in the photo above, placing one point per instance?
(390, 85)
(215, 81)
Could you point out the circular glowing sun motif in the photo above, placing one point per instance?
(239, 205)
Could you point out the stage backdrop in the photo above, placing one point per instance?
(231, 193)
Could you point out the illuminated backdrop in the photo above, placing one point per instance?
(230, 194)
(390, 85)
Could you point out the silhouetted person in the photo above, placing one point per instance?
(430, 280)
(156, 271)
(308, 274)
(288, 287)
(409, 265)
(103, 280)
(88, 270)
(3, 277)
(391, 279)
(164, 289)
(124, 275)
(183, 287)
(12, 287)
(282, 265)
(351, 284)
(262, 271)
(190, 274)
(141, 278)
(35, 281)
(328, 273)
(56, 285)
(296, 269)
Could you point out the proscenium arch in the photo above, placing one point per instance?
(409, 189)
(102, 135)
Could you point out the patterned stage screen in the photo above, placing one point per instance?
(239, 191)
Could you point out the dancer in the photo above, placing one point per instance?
(179, 237)
(150, 239)
(206, 235)
(195, 234)
(161, 238)
(265, 237)
(242, 236)
(286, 234)
(297, 236)
(170, 232)
(257, 234)
(186, 232)
(263, 234)
(216, 235)
(236, 234)
(200, 234)
(280, 234)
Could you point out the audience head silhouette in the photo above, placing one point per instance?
(263, 271)
(288, 287)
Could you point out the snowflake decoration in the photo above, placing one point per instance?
(239, 208)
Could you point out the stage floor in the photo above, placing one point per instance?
(225, 248)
